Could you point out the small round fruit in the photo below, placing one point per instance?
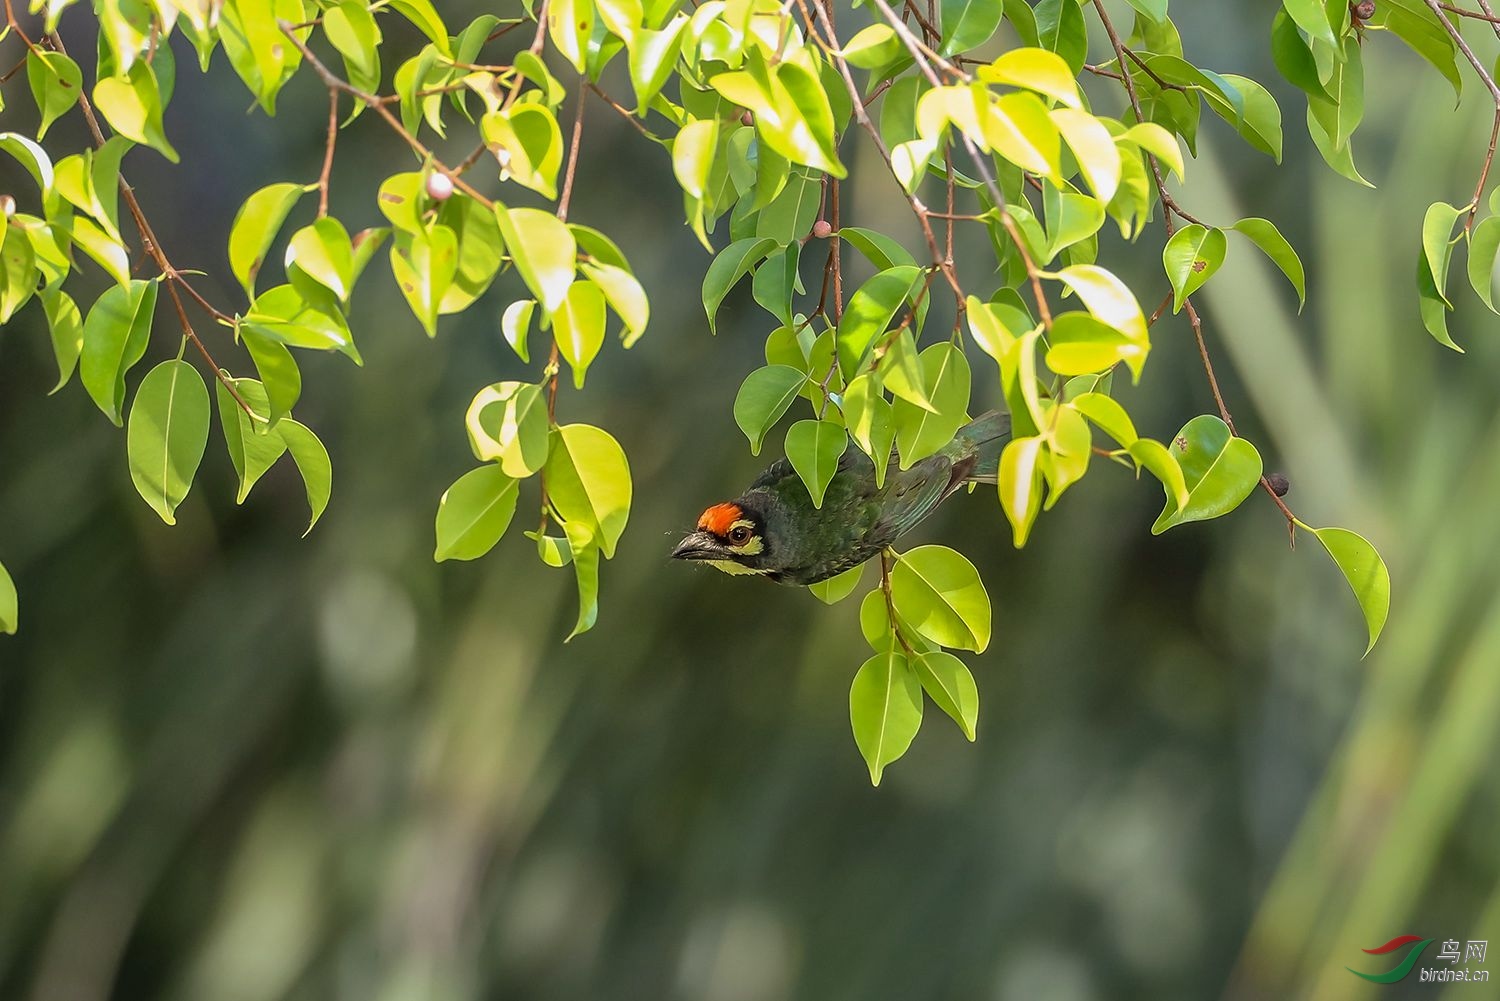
(439, 187)
(822, 230)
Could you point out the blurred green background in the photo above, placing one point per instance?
(240, 765)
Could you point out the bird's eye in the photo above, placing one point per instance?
(739, 535)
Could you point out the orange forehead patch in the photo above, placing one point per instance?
(720, 518)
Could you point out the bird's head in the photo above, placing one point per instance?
(730, 537)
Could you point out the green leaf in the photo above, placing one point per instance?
(940, 594)
(1156, 10)
(1082, 344)
(579, 327)
(531, 141)
(18, 275)
(324, 251)
(693, 155)
(652, 59)
(312, 462)
(255, 226)
(474, 513)
(31, 156)
(133, 106)
(951, 687)
(838, 587)
(1264, 234)
(1484, 242)
(1109, 416)
(1312, 17)
(353, 31)
(103, 248)
(1433, 305)
(515, 324)
(9, 605)
(921, 432)
(586, 569)
(425, 16)
(763, 397)
(1152, 138)
(801, 127)
(1153, 456)
(1070, 218)
(508, 423)
(968, 24)
(1020, 484)
(871, 422)
(56, 83)
(167, 434)
(1364, 570)
(1018, 127)
(1340, 112)
(1093, 147)
(625, 297)
(870, 312)
(877, 248)
(588, 481)
(775, 283)
(252, 450)
(570, 23)
(731, 264)
(1218, 469)
(424, 266)
(1190, 258)
(402, 198)
(814, 448)
(1341, 160)
(66, 326)
(876, 46)
(790, 215)
(1036, 69)
(1260, 122)
(1437, 247)
(282, 314)
(279, 374)
(115, 336)
(1061, 28)
(544, 251)
(885, 710)
(1293, 58)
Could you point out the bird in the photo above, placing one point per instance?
(773, 530)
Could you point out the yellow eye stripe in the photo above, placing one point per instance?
(750, 547)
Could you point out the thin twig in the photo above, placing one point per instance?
(1486, 16)
(574, 143)
(334, 82)
(333, 135)
(1490, 85)
(152, 246)
(890, 603)
(624, 113)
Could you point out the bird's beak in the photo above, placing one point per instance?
(698, 546)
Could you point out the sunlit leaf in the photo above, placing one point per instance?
(939, 592)
(588, 481)
(1218, 469)
(474, 513)
(813, 448)
(763, 397)
(115, 336)
(166, 436)
(885, 709)
(947, 681)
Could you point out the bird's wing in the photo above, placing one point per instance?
(910, 495)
